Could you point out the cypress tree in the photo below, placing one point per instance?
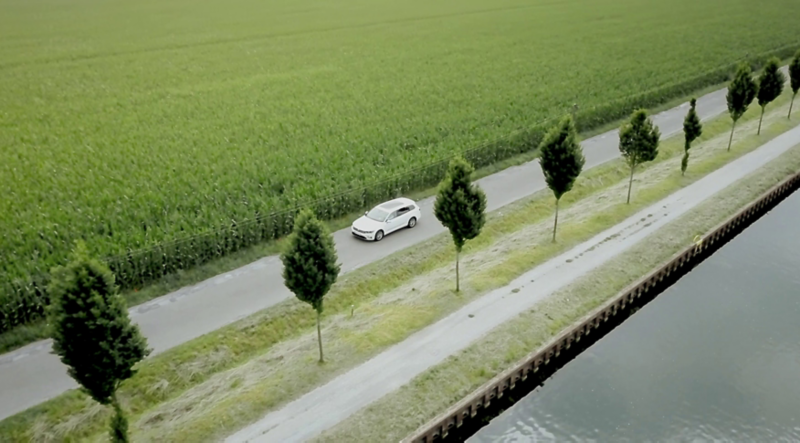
(638, 142)
(561, 158)
(92, 332)
(741, 93)
(770, 86)
(692, 128)
(309, 264)
(460, 206)
(794, 78)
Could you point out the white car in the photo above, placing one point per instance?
(386, 218)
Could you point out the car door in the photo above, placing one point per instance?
(403, 215)
(392, 222)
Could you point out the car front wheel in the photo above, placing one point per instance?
(412, 222)
(379, 236)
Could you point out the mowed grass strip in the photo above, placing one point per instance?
(400, 413)
(174, 117)
(208, 387)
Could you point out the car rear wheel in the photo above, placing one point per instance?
(412, 222)
(379, 236)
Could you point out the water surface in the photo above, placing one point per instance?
(714, 358)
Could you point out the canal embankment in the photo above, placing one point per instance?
(715, 357)
(422, 352)
(471, 413)
(423, 399)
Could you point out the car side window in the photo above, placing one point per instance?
(412, 207)
(392, 216)
(402, 211)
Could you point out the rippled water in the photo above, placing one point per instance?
(714, 358)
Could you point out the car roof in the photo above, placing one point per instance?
(396, 203)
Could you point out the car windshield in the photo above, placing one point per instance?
(377, 214)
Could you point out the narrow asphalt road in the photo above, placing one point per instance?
(31, 375)
(324, 407)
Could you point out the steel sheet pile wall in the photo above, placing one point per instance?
(470, 414)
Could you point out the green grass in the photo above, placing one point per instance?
(173, 117)
(261, 362)
(27, 333)
(400, 413)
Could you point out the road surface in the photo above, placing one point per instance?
(31, 375)
(333, 402)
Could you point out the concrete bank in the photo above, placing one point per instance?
(466, 417)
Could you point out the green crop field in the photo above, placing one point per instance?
(129, 123)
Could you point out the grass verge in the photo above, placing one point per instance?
(396, 415)
(24, 334)
(218, 382)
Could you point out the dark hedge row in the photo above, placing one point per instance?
(24, 302)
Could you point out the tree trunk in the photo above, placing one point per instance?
(555, 225)
(760, 119)
(790, 106)
(630, 184)
(319, 339)
(458, 288)
(684, 162)
(730, 140)
(119, 424)
(685, 159)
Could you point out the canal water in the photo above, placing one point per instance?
(716, 357)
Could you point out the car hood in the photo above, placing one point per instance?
(367, 224)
